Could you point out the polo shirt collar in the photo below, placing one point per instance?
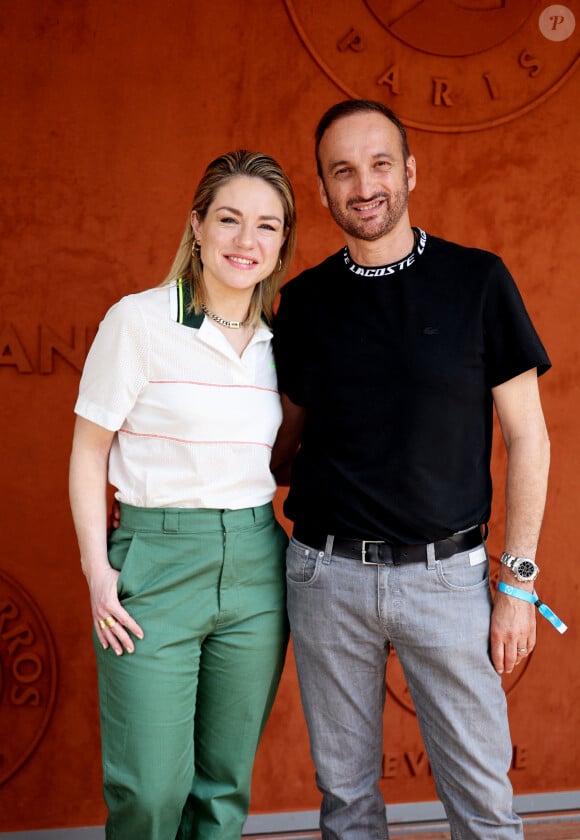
(189, 318)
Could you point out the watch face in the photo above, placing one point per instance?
(525, 569)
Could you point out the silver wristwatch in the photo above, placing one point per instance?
(524, 569)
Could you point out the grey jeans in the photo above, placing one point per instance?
(344, 617)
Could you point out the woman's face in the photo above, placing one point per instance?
(240, 236)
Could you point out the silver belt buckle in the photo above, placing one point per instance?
(364, 551)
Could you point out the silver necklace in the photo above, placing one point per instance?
(231, 325)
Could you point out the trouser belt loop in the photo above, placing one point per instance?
(171, 521)
(328, 549)
(430, 549)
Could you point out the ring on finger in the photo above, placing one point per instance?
(109, 621)
(522, 650)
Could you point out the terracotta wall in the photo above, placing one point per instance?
(109, 112)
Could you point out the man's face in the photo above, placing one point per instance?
(365, 180)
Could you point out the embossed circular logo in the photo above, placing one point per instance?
(397, 685)
(443, 65)
(557, 23)
(28, 676)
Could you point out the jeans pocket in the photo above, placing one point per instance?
(302, 562)
(464, 571)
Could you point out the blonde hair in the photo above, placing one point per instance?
(189, 266)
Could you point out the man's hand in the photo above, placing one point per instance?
(115, 515)
(513, 628)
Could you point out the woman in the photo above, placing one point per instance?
(178, 407)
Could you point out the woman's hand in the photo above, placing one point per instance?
(113, 624)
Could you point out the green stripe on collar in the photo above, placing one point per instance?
(186, 316)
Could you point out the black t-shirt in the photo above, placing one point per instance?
(395, 367)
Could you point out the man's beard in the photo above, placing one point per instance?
(370, 230)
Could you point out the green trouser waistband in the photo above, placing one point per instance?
(193, 520)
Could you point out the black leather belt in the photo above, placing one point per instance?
(379, 552)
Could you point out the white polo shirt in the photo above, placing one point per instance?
(195, 422)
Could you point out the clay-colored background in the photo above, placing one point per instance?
(109, 113)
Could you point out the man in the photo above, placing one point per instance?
(391, 355)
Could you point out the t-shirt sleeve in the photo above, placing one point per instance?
(289, 327)
(511, 341)
(116, 367)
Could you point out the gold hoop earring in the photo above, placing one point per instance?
(279, 263)
(196, 247)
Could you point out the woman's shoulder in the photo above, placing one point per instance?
(148, 302)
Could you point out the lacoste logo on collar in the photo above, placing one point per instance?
(386, 270)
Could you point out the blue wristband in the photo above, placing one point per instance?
(532, 598)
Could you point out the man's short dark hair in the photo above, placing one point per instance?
(356, 106)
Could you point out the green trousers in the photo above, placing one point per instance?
(181, 717)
